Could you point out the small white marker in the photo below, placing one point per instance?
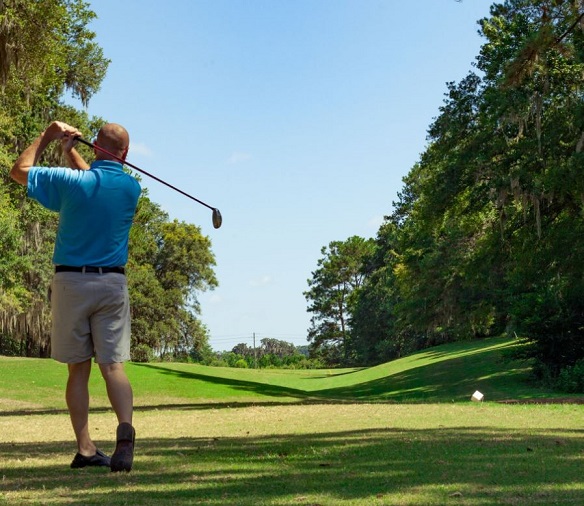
(477, 397)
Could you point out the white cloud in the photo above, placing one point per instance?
(238, 157)
(139, 148)
(261, 281)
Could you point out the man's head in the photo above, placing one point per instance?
(113, 138)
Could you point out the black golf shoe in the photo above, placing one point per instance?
(123, 456)
(99, 459)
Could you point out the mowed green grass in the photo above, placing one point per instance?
(449, 373)
(400, 433)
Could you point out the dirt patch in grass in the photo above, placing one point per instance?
(547, 400)
(14, 405)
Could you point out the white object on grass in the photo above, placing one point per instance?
(477, 397)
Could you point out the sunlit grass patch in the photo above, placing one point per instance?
(354, 454)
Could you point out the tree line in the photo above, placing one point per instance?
(271, 353)
(486, 237)
(170, 261)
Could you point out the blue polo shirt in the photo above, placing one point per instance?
(96, 208)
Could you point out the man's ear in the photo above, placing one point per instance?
(125, 153)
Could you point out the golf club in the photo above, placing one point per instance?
(217, 219)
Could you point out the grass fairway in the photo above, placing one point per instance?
(401, 433)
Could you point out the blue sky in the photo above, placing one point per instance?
(298, 119)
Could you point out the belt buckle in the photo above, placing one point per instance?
(90, 268)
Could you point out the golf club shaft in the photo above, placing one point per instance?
(121, 160)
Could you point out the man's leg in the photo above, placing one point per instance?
(120, 395)
(77, 396)
(119, 391)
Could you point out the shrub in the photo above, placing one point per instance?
(9, 347)
(142, 353)
(241, 364)
(571, 379)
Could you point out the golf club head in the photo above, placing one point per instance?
(217, 219)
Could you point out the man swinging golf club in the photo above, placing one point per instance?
(89, 295)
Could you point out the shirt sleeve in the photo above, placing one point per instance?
(47, 185)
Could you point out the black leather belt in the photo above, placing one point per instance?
(90, 268)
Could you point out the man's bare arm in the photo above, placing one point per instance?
(74, 159)
(30, 156)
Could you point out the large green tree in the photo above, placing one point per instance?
(486, 234)
(331, 296)
(534, 63)
(373, 336)
(37, 66)
(169, 261)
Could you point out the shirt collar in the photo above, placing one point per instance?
(106, 164)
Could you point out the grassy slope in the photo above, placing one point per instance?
(449, 373)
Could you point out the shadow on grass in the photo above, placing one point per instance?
(259, 388)
(332, 373)
(485, 345)
(452, 380)
(481, 367)
(478, 465)
(195, 406)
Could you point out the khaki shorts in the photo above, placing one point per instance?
(91, 317)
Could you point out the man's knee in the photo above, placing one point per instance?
(80, 370)
(114, 371)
